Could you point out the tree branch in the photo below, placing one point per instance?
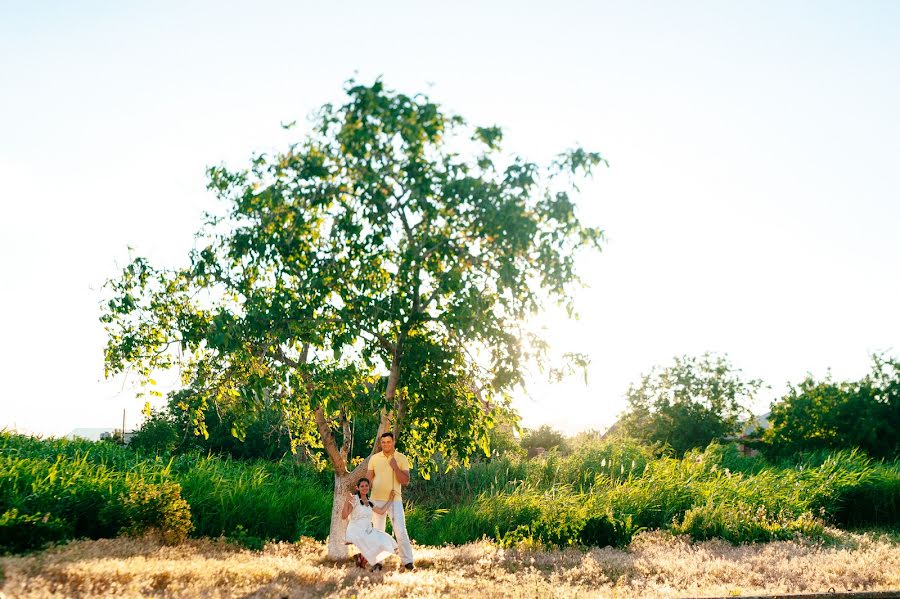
(383, 427)
(331, 448)
(304, 353)
(383, 341)
(348, 436)
(279, 356)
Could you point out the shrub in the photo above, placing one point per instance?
(158, 434)
(831, 415)
(23, 532)
(545, 437)
(157, 507)
(745, 523)
(875, 500)
(689, 403)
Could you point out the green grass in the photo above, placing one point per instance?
(595, 496)
(602, 494)
(57, 489)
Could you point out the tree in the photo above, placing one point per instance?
(688, 404)
(545, 437)
(158, 433)
(393, 239)
(830, 414)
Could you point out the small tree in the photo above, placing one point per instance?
(158, 433)
(828, 414)
(394, 239)
(688, 404)
(544, 437)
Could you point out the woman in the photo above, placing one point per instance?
(374, 545)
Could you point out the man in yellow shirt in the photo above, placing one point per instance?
(389, 471)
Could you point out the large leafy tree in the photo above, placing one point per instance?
(386, 263)
(829, 414)
(689, 403)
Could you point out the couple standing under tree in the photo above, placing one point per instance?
(388, 473)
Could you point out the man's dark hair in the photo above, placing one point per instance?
(388, 434)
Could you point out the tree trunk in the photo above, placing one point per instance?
(337, 534)
(337, 537)
(345, 482)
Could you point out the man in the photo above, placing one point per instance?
(389, 471)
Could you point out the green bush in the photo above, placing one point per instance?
(239, 536)
(601, 530)
(157, 507)
(745, 523)
(158, 434)
(92, 501)
(874, 501)
(545, 437)
(22, 532)
(832, 415)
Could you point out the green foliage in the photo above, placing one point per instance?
(159, 433)
(23, 532)
(545, 437)
(393, 238)
(240, 536)
(60, 489)
(602, 493)
(504, 443)
(595, 494)
(745, 523)
(874, 501)
(157, 507)
(93, 500)
(834, 415)
(694, 401)
(280, 502)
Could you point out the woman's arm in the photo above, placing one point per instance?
(348, 507)
(381, 510)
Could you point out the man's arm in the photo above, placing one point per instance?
(402, 475)
(371, 476)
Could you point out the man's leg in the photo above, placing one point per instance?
(398, 523)
(378, 520)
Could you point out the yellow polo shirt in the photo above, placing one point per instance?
(385, 478)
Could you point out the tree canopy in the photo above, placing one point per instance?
(388, 261)
(693, 401)
(828, 414)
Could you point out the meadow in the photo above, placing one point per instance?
(601, 494)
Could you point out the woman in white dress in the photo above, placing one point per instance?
(374, 544)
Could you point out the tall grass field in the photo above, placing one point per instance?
(603, 493)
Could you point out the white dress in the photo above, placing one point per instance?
(375, 545)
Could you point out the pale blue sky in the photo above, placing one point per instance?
(751, 205)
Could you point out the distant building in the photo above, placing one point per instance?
(756, 424)
(97, 434)
(89, 434)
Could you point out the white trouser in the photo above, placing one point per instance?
(398, 523)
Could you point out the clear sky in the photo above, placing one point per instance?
(752, 204)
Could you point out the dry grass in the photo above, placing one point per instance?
(655, 565)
